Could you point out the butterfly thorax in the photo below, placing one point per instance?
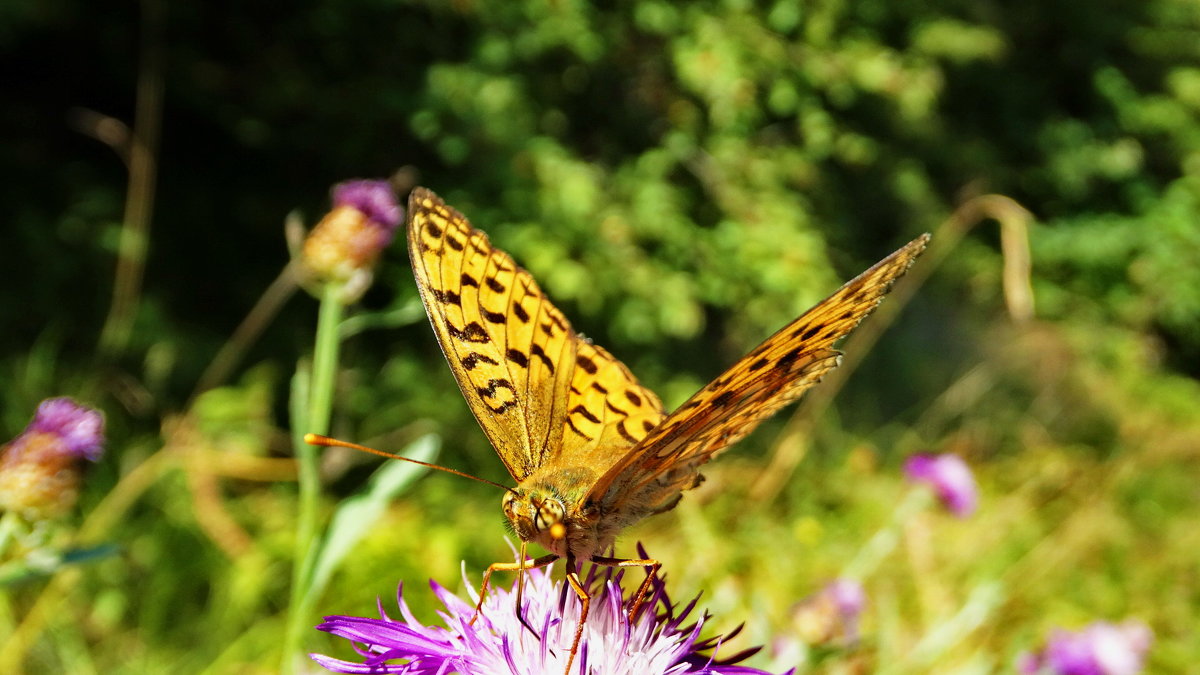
(549, 509)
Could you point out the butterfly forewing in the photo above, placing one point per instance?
(778, 371)
(504, 341)
(541, 392)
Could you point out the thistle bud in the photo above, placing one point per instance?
(40, 469)
(346, 243)
(830, 616)
(949, 477)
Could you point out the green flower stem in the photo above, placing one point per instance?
(313, 416)
(883, 542)
(325, 358)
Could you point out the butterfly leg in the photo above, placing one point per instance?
(649, 564)
(521, 566)
(585, 602)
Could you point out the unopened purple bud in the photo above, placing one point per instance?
(849, 597)
(344, 246)
(830, 616)
(950, 478)
(39, 469)
(375, 198)
(80, 428)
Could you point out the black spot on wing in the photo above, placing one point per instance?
(586, 415)
(722, 400)
(537, 351)
(789, 358)
(520, 313)
(810, 333)
(588, 365)
(472, 332)
(574, 428)
(468, 280)
(518, 357)
(473, 359)
(625, 434)
(502, 408)
(759, 364)
(493, 317)
(633, 397)
(493, 385)
(495, 285)
(446, 297)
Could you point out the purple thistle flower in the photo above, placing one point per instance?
(348, 240)
(657, 642)
(375, 199)
(1101, 648)
(831, 614)
(950, 478)
(79, 428)
(39, 469)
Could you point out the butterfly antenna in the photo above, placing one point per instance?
(317, 439)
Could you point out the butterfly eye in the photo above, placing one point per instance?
(507, 503)
(549, 514)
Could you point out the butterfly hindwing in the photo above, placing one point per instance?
(607, 410)
(775, 373)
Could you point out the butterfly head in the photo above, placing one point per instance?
(536, 515)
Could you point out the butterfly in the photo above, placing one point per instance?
(592, 450)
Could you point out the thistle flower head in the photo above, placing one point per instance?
(830, 616)
(349, 238)
(949, 477)
(658, 641)
(1100, 648)
(39, 469)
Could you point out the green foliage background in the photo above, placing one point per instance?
(682, 179)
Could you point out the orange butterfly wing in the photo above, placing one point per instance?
(540, 391)
(608, 412)
(777, 372)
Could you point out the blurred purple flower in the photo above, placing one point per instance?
(1101, 648)
(831, 614)
(950, 478)
(497, 643)
(39, 469)
(375, 199)
(79, 428)
(348, 240)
